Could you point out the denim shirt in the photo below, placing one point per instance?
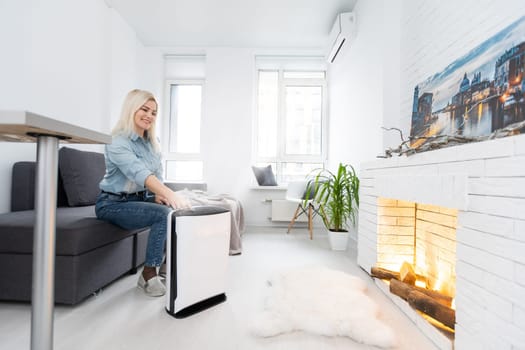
(129, 161)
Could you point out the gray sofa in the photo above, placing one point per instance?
(90, 253)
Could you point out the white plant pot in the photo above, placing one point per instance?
(338, 240)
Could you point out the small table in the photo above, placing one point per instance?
(23, 126)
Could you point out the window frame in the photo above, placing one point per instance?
(167, 155)
(281, 157)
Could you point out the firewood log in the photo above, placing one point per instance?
(382, 273)
(432, 308)
(402, 290)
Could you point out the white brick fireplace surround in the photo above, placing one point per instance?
(485, 181)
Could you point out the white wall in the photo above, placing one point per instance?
(150, 67)
(364, 86)
(227, 119)
(227, 128)
(69, 60)
(391, 44)
(13, 36)
(68, 51)
(12, 16)
(357, 86)
(123, 64)
(132, 66)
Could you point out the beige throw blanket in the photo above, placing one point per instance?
(227, 202)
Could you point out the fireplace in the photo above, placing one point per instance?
(457, 215)
(416, 245)
(422, 235)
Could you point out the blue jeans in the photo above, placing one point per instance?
(136, 211)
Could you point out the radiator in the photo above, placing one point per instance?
(283, 210)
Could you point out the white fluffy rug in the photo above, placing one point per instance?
(325, 302)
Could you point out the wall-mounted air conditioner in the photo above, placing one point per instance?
(342, 32)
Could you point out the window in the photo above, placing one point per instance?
(182, 128)
(291, 121)
(183, 160)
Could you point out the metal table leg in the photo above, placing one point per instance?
(43, 297)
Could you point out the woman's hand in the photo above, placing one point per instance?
(177, 201)
(164, 195)
(161, 200)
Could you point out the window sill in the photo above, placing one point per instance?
(269, 188)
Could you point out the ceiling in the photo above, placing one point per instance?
(232, 23)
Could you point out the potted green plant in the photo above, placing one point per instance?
(338, 196)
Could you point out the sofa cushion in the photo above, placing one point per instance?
(23, 187)
(77, 231)
(81, 173)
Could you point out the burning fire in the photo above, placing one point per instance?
(444, 283)
(438, 284)
(421, 283)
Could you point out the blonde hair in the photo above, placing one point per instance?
(134, 100)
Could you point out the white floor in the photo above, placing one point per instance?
(122, 317)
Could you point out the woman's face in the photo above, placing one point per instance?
(145, 117)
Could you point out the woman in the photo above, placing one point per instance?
(133, 195)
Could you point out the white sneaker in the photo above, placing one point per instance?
(152, 287)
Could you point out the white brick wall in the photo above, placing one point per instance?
(519, 315)
(519, 274)
(425, 187)
(490, 265)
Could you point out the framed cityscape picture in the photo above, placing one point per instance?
(477, 94)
